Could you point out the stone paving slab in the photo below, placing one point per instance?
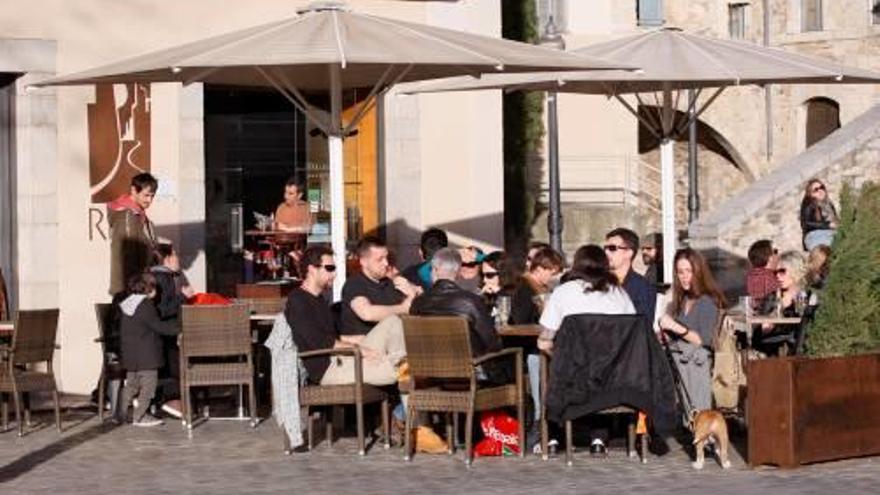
(230, 457)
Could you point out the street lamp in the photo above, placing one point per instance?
(552, 38)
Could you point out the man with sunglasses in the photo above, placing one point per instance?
(311, 321)
(621, 246)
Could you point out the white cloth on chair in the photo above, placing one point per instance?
(288, 374)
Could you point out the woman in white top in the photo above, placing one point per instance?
(588, 287)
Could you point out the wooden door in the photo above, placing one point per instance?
(361, 174)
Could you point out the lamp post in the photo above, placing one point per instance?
(552, 38)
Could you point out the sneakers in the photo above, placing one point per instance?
(172, 408)
(148, 421)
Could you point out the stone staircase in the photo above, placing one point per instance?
(769, 207)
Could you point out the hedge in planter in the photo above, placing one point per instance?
(848, 321)
(824, 407)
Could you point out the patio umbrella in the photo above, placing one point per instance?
(672, 61)
(329, 49)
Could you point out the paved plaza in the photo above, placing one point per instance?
(230, 457)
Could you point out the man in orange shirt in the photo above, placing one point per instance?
(293, 214)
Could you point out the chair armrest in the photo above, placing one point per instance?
(336, 351)
(510, 351)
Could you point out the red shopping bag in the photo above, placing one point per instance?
(501, 432)
(209, 299)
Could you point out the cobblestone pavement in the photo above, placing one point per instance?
(230, 457)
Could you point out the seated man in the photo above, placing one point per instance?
(311, 321)
(293, 213)
(431, 241)
(761, 281)
(446, 298)
(369, 296)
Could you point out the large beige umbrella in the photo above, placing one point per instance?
(671, 61)
(329, 48)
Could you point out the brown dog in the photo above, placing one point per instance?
(705, 425)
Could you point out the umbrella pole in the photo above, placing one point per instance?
(667, 188)
(337, 186)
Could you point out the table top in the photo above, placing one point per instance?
(6, 326)
(264, 316)
(758, 320)
(520, 331)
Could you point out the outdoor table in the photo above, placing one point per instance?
(264, 317)
(6, 327)
(532, 331)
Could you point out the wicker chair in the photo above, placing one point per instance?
(112, 372)
(216, 332)
(438, 349)
(357, 394)
(33, 342)
(264, 305)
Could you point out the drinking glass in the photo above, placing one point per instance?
(502, 304)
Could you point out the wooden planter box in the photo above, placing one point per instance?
(803, 410)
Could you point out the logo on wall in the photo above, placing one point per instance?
(119, 138)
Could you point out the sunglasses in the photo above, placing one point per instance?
(469, 264)
(818, 188)
(611, 248)
(329, 268)
(781, 271)
(490, 274)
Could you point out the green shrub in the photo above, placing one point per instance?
(848, 320)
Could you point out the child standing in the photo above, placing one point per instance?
(141, 332)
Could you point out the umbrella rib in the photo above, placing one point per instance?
(768, 52)
(499, 64)
(697, 113)
(279, 26)
(648, 125)
(650, 115)
(708, 56)
(294, 97)
(339, 39)
(363, 109)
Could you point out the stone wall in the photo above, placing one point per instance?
(769, 208)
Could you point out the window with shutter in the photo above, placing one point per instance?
(811, 15)
(556, 9)
(649, 12)
(737, 20)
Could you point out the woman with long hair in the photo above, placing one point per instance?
(499, 276)
(819, 218)
(691, 324)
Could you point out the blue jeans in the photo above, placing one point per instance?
(821, 237)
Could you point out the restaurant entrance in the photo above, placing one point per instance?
(254, 141)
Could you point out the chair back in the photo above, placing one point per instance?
(438, 346)
(34, 337)
(267, 305)
(221, 330)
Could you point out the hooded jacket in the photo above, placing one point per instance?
(132, 241)
(141, 333)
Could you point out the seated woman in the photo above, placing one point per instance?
(588, 287)
(498, 278)
(691, 324)
(789, 273)
(818, 216)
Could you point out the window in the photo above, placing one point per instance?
(875, 13)
(737, 22)
(811, 15)
(823, 118)
(649, 13)
(551, 8)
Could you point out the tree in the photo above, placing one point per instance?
(848, 320)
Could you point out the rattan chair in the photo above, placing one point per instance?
(112, 372)
(221, 331)
(438, 351)
(357, 394)
(33, 342)
(267, 305)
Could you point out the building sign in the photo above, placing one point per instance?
(119, 138)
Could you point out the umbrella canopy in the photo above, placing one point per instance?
(670, 61)
(329, 48)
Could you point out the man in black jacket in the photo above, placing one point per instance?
(446, 298)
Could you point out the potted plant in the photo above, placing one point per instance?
(826, 405)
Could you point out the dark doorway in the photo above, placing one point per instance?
(254, 141)
(8, 195)
(823, 118)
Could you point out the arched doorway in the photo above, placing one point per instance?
(823, 118)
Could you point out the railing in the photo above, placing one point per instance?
(611, 180)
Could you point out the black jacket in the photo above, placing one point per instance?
(446, 298)
(813, 219)
(602, 361)
(169, 298)
(141, 337)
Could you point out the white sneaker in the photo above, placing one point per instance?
(148, 421)
(171, 411)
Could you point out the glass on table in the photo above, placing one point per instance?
(502, 305)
